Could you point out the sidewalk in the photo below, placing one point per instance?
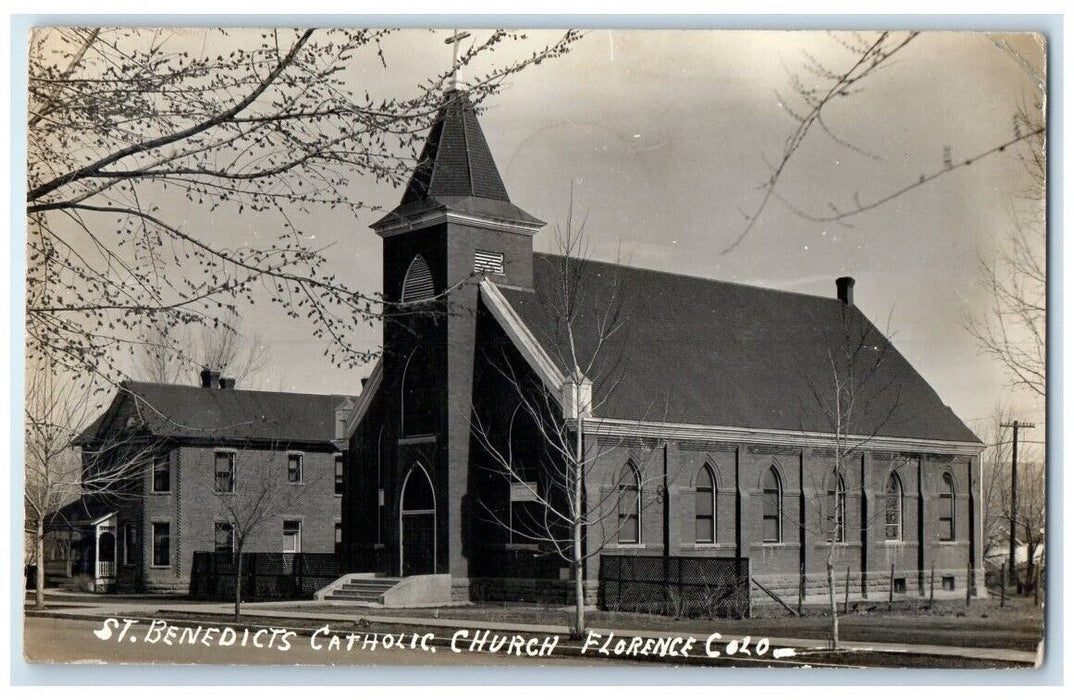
(97, 609)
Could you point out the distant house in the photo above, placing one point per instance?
(711, 444)
(196, 450)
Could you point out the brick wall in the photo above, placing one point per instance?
(192, 507)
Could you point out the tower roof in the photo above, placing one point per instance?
(456, 171)
(456, 161)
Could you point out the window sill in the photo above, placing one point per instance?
(417, 439)
(706, 545)
(949, 543)
(160, 567)
(520, 547)
(775, 545)
(636, 545)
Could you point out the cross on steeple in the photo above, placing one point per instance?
(454, 40)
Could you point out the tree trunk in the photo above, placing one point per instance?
(238, 585)
(832, 603)
(39, 576)
(579, 588)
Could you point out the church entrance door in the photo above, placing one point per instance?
(417, 524)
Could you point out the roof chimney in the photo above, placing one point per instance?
(227, 382)
(844, 287)
(206, 378)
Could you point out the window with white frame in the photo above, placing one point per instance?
(225, 472)
(223, 536)
(162, 474)
(162, 544)
(836, 506)
(292, 536)
(629, 505)
(893, 508)
(130, 543)
(294, 468)
(946, 530)
(772, 507)
(705, 506)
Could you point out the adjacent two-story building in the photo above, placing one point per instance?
(171, 469)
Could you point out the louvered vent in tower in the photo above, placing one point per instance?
(418, 283)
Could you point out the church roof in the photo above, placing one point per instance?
(456, 171)
(704, 352)
(198, 413)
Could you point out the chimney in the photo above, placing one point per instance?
(844, 287)
(364, 380)
(207, 379)
(227, 382)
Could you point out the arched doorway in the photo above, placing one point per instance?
(417, 524)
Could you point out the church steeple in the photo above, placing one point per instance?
(456, 174)
(456, 161)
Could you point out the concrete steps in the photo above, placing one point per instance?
(361, 589)
(371, 590)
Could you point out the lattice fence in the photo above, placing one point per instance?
(679, 586)
(265, 575)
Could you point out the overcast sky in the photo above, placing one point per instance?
(665, 136)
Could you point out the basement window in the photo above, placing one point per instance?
(948, 583)
(900, 585)
(488, 262)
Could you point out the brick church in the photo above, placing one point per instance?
(707, 416)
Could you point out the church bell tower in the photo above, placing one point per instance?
(454, 226)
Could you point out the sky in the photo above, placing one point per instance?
(663, 139)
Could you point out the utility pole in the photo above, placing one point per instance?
(1015, 425)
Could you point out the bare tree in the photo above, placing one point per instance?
(253, 501)
(856, 398)
(537, 444)
(129, 127)
(59, 469)
(175, 355)
(1013, 328)
(818, 91)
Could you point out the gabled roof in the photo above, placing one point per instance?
(704, 352)
(192, 412)
(456, 171)
(85, 510)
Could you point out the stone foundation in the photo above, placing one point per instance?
(521, 590)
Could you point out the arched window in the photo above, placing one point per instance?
(836, 521)
(946, 528)
(893, 508)
(629, 505)
(772, 507)
(705, 506)
(418, 283)
(418, 396)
